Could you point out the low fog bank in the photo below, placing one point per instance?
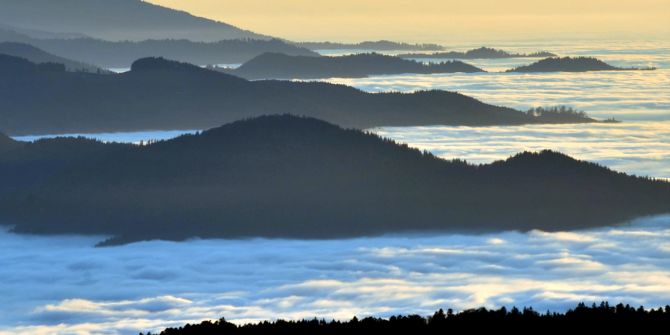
(65, 285)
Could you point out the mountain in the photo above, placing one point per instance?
(133, 20)
(7, 143)
(280, 66)
(122, 54)
(570, 64)
(168, 95)
(369, 46)
(11, 66)
(36, 55)
(294, 177)
(39, 34)
(479, 53)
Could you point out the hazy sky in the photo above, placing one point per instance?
(437, 20)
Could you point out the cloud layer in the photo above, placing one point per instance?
(62, 285)
(625, 95)
(641, 148)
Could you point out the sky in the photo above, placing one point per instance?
(437, 20)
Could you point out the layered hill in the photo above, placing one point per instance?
(39, 34)
(36, 55)
(165, 95)
(133, 20)
(292, 177)
(479, 53)
(121, 54)
(280, 66)
(571, 64)
(382, 45)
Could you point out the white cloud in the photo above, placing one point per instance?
(62, 285)
(641, 148)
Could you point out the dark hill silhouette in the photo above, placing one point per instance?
(7, 143)
(280, 66)
(596, 318)
(116, 20)
(382, 45)
(479, 53)
(121, 54)
(292, 177)
(11, 66)
(36, 55)
(570, 64)
(175, 95)
(15, 66)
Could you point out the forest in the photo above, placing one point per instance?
(285, 176)
(162, 94)
(280, 66)
(601, 317)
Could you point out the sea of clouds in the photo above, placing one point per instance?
(625, 95)
(64, 285)
(641, 148)
(634, 147)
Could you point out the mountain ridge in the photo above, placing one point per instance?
(36, 55)
(280, 66)
(165, 98)
(571, 64)
(479, 53)
(121, 54)
(283, 176)
(116, 20)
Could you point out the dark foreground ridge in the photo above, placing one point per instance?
(165, 95)
(603, 318)
(294, 177)
(571, 64)
(479, 53)
(280, 66)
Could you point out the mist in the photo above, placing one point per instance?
(63, 284)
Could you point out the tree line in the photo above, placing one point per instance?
(603, 317)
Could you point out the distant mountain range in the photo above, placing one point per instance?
(36, 55)
(122, 54)
(571, 64)
(168, 95)
(369, 46)
(480, 53)
(292, 177)
(280, 66)
(39, 34)
(133, 20)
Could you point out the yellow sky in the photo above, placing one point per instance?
(436, 20)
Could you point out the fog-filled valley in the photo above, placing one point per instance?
(160, 167)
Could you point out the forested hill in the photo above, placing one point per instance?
(280, 66)
(369, 46)
(36, 55)
(116, 20)
(165, 95)
(479, 53)
(292, 177)
(121, 54)
(570, 64)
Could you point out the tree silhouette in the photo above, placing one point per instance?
(601, 317)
